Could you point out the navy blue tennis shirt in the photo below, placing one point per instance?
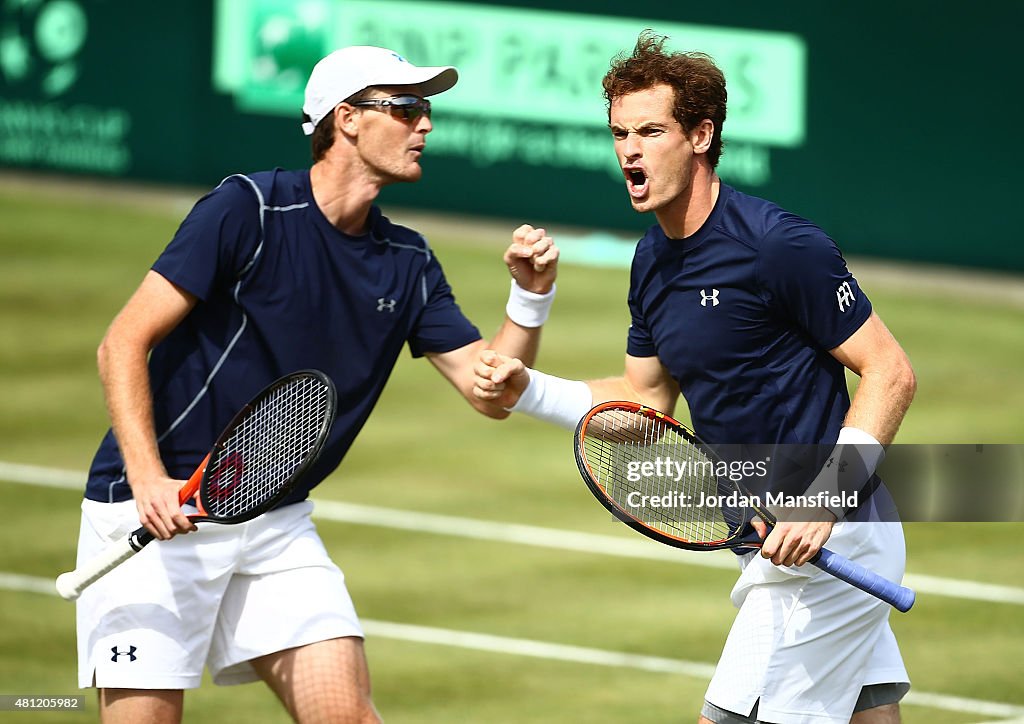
(743, 314)
(280, 289)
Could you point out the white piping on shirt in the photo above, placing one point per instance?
(425, 249)
(234, 340)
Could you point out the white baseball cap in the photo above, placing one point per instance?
(347, 71)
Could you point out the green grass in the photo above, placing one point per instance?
(70, 261)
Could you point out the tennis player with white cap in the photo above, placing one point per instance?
(270, 273)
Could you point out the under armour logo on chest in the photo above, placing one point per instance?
(386, 304)
(130, 653)
(705, 298)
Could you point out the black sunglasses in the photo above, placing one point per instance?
(408, 108)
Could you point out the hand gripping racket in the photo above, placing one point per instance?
(615, 440)
(255, 463)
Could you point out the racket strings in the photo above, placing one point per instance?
(658, 476)
(262, 454)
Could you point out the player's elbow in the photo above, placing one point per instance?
(907, 380)
(900, 374)
(103, 355)
(110, 350)
(121, 347)
(900, 381)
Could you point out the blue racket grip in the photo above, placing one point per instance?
(900, 597)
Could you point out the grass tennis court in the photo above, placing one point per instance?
(505, 622)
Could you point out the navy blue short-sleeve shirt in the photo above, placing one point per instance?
(743, 314)
(280, 289)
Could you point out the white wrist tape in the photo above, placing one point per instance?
(528, 309)
(553, 399)
(853, 461)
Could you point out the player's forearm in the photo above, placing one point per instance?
(564, 402)
(613, 388)
(517, 387)
(517, 341)
(878, 407)
(124, 374)
(662, 396)
(525, 315)
(882, 399)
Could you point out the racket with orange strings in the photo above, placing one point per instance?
(618, 448)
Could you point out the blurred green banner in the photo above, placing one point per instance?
(863, 142)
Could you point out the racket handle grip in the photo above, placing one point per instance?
(71, 584)
(899, 597)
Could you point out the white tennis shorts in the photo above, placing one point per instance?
(804, 642)
(218, 597)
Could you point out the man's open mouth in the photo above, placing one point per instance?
(636, 182)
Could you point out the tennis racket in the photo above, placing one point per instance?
(254, 464)
(616, 443)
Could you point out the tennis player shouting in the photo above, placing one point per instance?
(271, 273)
(751, 312)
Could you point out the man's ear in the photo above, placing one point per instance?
(702, 135)
(346, 120)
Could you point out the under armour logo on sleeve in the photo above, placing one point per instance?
(385, 304)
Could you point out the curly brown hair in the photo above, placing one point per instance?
(698, 84)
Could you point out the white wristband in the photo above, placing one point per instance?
(853, 461)
(553, 399)
(528, 309)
